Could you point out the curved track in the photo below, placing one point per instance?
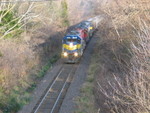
(52, 99)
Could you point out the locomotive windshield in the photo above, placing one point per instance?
(72, 40)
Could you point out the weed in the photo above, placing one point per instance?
(64, 13)
(10, 24)
(31, 87)
(48, 65)
(11, 102)
(1, 54)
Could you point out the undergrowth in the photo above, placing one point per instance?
(122, 80)
(21, 64)
(1, 54)
(64, 13)
(9, 25)
(13, 100)
(46, 67)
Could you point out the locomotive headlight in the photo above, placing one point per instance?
(75, 54)
(65, 54)
(71, 45)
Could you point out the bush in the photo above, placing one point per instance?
(64, 13)
(1, 54)
(125, 91)
(12, 101)
(10, 24)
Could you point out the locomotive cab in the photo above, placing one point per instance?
(72, 48)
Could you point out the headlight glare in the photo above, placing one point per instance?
(76, 54)
(65, 54)
(71, 45)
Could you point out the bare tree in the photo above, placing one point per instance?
(20, 20)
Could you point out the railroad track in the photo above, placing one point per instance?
(53, 97)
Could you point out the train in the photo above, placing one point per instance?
(75, 41)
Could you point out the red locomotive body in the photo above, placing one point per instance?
(83, 34)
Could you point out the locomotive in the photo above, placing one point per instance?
(75, 41)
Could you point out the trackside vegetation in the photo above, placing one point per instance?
(122, 65)
(27, 48)
(14, 100)
(9, 24)
(64, 13)
(123, 77)
(46, 67)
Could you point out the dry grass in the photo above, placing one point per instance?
(123, 77)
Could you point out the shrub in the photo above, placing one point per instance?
(126, 91)
(1, 54)
(9, 23)
(64, 13)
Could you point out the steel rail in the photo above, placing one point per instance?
(49, 90)
(57, 100)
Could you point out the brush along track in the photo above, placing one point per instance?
(53, 98)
